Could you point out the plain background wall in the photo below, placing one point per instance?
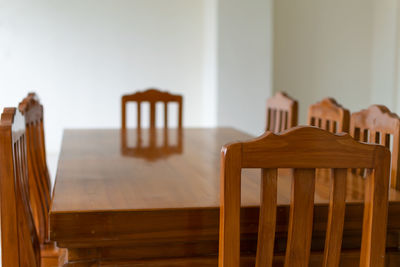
(323, 48)
(346, 49)
(244, 63)
(385, 53)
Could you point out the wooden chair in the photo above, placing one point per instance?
(20, 243)
(39, 178)
(152, 96)
(282, 113)
(375, 125)
(329, 115)
(304, 149)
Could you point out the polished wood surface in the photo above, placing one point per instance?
(39, 178)
(19, 240)
(109, 207)
(282, 112)
(377, 125)
(305, 149)
(329, 115)
(156, 146)
(92, 165)
(152, 96)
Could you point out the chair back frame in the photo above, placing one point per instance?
(282, 113)
(20, 244)
(152, 96)
(304, 149)
(328, 114)
(375, 125)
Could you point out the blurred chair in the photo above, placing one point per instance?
(377, 125)
(38, 175)
(329, 115)
(304, 149)
(282, 113)
(20, 242)
(151, 96)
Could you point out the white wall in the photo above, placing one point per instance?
(385, 53)
(324, 48)
(244, 63)
(80, 56)
(347, 49)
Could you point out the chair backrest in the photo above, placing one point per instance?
(329, 115)
(39, 178)
(376, 125)
(282, 113)
(20, 244)
(151, 96)
(304, 149)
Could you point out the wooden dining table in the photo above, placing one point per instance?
(151, 198)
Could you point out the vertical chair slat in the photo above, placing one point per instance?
(229, 234)
(375, 215)
(301, 218)
(278, 119)
(165, 115)
(152, 115)
(395, 171)
(139, 115)
(39, 202)
(337, 205)
(180, 112)
(286, 120)
(123, 114)
(269, 118)
(267, 221)
(272, 124)
(386, 140)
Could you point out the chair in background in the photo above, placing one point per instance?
(282, 113)
(376, 125)
(38, 177)
(304, 149)
(151, 96)
(329, 115)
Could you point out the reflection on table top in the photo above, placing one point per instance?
(99, 170)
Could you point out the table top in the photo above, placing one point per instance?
(104, 170)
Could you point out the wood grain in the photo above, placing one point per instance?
(305, 149)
